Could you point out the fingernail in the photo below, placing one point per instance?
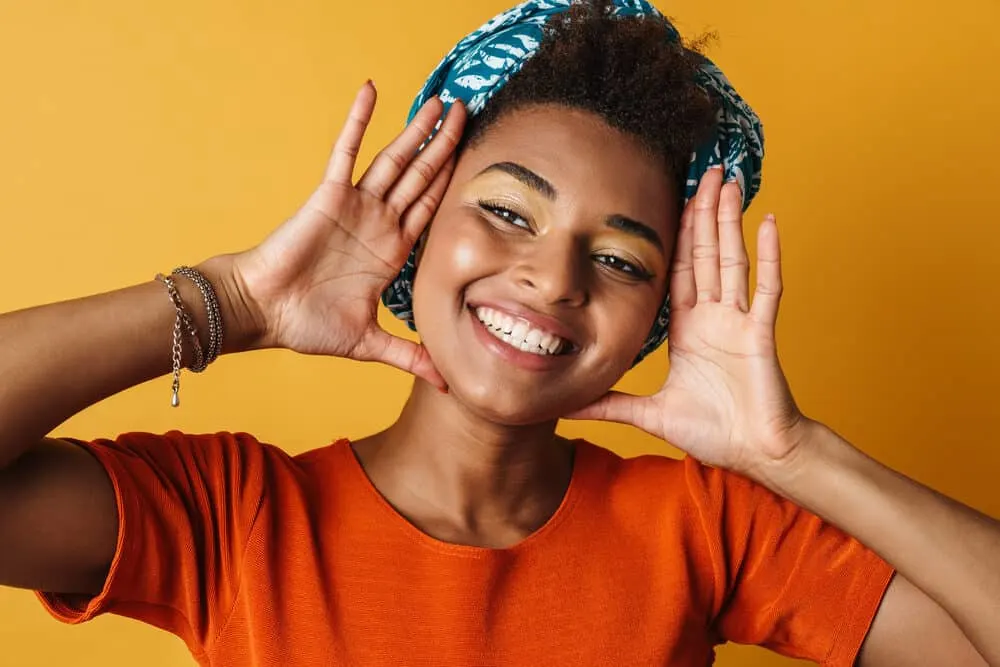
(371, 83)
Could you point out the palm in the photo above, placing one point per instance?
(316, 280)
(725, 401)
(329, 270)
(716, 396)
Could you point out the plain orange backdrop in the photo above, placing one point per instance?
(138, 136)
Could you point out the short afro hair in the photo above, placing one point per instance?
(627, 70)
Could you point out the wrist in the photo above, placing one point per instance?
(241, 318)
(811, 441)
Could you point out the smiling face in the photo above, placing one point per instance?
(546, 264)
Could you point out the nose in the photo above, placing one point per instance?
(554, 271)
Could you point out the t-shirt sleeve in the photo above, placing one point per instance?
(785, 579)
(186, 506)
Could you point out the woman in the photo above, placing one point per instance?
(468, 532)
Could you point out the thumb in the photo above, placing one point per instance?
(616, 406)
(405, 355)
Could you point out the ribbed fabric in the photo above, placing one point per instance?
(254, 557)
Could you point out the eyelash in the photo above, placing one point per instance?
(505, 214)
(613, 262)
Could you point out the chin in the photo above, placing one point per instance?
(507, 407)
(509, 403)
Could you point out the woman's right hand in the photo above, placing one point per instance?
(314, 284)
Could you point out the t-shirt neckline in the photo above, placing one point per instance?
(582, 459)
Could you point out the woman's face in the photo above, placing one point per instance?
(558, 229)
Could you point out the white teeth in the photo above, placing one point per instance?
(519, 333)
(533, 338)
(520, 330)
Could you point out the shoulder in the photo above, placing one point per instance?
(230, 458)
(661, 510)
(236, 450)
(726, 508)
(665, 476)
(704, 503)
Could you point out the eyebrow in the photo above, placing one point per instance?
(526, 176)
(635, 228)
(547, 190)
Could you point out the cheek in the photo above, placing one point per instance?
(455, 254)
(458, 247)
(624, 323)
(463, 256)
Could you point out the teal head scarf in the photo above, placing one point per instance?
(484, 61)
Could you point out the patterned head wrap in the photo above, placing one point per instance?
(484, 61)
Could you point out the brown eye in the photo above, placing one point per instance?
(505, 214)
(622, 266)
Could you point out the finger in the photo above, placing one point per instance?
(616, 406)
(428, 164)
(387, 166)
(415, 219)
(767, 294)
(403, 354)
(345, 152)
(734, 263)
(705, 253)
(683, 293)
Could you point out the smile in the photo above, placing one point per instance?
(521, 334)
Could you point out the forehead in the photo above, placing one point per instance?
(591, 164)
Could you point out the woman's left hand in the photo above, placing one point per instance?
(725, 401)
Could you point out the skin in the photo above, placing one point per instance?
(313, 286)
(482, 464)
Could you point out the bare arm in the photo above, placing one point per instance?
(912, 629)
(727, 402)
(947, 555)
(58, 520)
(58, 359)
(312, 286)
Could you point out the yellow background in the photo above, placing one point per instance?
(136, 136)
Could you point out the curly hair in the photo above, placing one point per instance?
(628, 71)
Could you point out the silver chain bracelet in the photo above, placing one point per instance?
(215, 331)
(184, 326)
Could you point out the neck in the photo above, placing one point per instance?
(462, 478)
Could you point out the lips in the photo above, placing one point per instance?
(522, 337)
(520, 333)
(533, 318)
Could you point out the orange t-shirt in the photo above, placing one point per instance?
(255, 557)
